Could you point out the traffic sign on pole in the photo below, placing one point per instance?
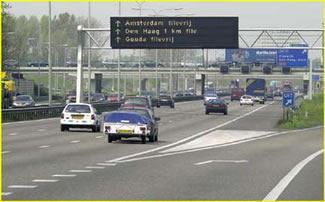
(288, 99)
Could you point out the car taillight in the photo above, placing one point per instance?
(62, 116)
(143, 129)
(107, 128)
(209, 105)
(93, 117)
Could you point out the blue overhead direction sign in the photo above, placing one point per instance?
(292, 58)
(251, 55)
(288, 99)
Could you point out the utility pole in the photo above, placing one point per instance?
(49, 58)
(89, 57)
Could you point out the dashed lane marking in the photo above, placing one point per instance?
(220, 161)
(94, 167)
(6, 193)
(13, 134)
(62, 175)
(22, 186)
(106, 164)
(41, 130)
(75, 141)
(45, 180)
(5, 152)
(80, 171)
(99, 137)
(44, 146)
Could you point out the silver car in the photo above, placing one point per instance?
(23, 101)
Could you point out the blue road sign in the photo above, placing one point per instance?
(292, 58)
(315, 77)
(288, 99)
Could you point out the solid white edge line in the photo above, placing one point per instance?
(284, 182)
(188, 138)
(6, 193)
(22, 186)
(45, 180)
(62, 175)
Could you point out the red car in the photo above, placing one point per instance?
(112, 98)
(236, 93)
(138, 101)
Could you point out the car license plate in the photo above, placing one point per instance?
(216, 105)
(124, 131)
(77, 117)
(164, 100)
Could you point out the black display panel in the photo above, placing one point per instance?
(174, 32)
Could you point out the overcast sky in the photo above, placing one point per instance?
(251, 14)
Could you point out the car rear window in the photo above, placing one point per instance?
(138, 111)
(237, 90)
(23, 98)
(214, 101)
(126, 117)
(78, 108)
(136, 101)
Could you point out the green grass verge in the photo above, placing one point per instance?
(313, 108)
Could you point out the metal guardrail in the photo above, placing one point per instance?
(10, 115)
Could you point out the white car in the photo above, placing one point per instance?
(80, 115)
(246, 100)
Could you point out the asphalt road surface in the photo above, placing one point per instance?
(240, 156)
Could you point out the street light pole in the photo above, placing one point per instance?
(89, 66)
(119, 62)
(49, 58)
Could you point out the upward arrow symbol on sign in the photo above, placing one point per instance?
(117, 31)
(117, 23)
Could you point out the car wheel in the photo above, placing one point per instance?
(109, 138)
(143, 140)
(206, 112)
(231, 100)
(156, 137)
(98, 128)
(240, 104)
(172, 106)
(253, 104)
(158, 106)
(62, 128)
(225, 113)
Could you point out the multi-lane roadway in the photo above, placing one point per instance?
(241, 156)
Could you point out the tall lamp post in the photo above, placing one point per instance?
(49, 58)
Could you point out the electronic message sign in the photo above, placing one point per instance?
(174, 32)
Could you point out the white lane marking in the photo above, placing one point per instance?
(220, 161)
(280, 187)
(22, 186)
(41, 130)
(13, 134)
(106, 164)
(6, 193)
(80, 171)
(5, 152)
(212, 147)
(43, 146)
(170, 121)
(62, 175)
(45, 180)
(188, 138)
(75, 141)
(40, 120)
(94, 167)
(99, 137)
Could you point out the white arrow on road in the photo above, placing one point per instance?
(221, 161)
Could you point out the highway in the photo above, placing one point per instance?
(241, 156)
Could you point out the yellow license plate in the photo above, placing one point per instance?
(78, 117)
(125, 131)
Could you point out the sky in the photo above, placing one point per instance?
(251, 14)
